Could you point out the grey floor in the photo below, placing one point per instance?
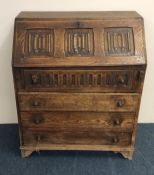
(75, 162)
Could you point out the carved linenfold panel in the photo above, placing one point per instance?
(119, 41)
(79, 79)
(39, 42)
(79, 42)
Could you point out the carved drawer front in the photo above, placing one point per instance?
(72, 136)
(78, 120)
(100, 80)
(78, 102)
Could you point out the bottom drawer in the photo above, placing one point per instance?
(76, 137)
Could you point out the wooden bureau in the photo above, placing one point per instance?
(78, 80)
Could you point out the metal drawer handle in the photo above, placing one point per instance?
(115, 140)
(120, 103)
(37, 120)
(35, 79)
(121, 80)
(35, 103)
(117, 122)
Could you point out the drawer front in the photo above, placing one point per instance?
(85, 80)
(78, 120)
(73, 136)
(78, 102)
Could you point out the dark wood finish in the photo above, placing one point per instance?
(78, 120)
(78, 102)
(78, 80)
(76, 137)
(85, 34)
(82, 80)
(39, 15)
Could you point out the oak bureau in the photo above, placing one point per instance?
(78, 80)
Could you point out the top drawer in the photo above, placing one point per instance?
(81, 80)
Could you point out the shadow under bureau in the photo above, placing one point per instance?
(78, 80)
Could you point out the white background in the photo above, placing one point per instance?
(10, 8)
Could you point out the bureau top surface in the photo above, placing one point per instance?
(29, 15)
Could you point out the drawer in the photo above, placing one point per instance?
(85, 80)
(106, 102)
(75, 137)
(78, 120)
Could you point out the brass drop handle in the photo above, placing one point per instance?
(34, 79)
(121, 80)
(116, 122)
(115, 140)
(120, 103)
(37, 121)
(35, 103)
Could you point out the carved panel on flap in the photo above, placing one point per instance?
(119, 41)
(80, 79)
(39, 42)
(79, 42)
